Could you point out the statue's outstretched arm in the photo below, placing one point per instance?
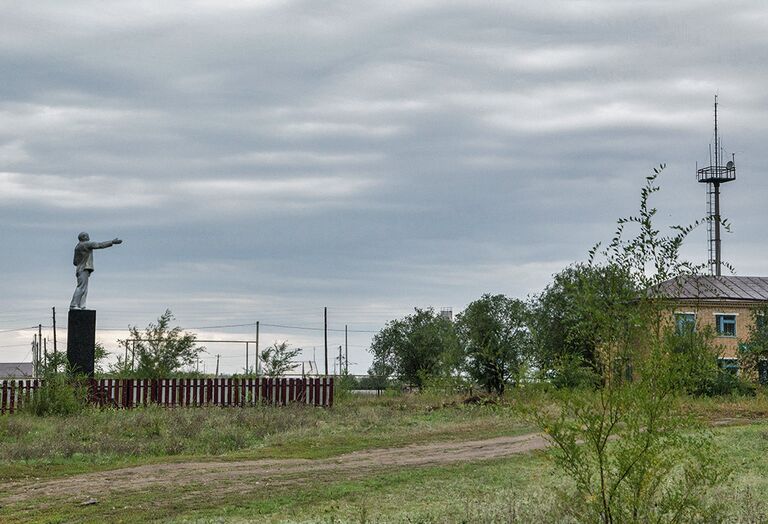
(108, 243)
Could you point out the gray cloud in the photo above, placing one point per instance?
(263, 160)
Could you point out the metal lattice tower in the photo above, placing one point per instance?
(713, 175)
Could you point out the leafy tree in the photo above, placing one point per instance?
(494, 340)
(278, 358)
(568, 318)
(56, 362)
(160, 350)
(378, 376)
(572, 371)
(626, 446)
(100, 354)
(754, 353)
(121, 367)
(693, 356)
(415, 347)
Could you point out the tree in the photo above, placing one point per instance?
(160, 350)
(628, 449)
(754, 353)
(100, 354)
(494, 340)
(415, 348)
(567, 317)
(277, 359)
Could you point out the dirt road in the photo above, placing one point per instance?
(284, 471)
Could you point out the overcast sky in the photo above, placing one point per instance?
(264, 159)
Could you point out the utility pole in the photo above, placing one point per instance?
(325, 333)
(258, 366)
(346, 351)
(341, 369)
(246, 358)
(34, 354)
(39, 345)
(45, 352)
(217, 365)
(54, 332)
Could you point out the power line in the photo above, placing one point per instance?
(318, 328)
(282, 326)
(252, 324)
(18, 329)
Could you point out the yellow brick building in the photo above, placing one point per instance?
(725, 303)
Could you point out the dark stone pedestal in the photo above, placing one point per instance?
(81, 340)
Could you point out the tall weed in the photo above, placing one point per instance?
(59, 394)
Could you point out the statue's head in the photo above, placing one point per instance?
(83, 237)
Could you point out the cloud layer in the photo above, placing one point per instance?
(263, 160)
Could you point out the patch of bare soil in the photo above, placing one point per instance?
(283, 471)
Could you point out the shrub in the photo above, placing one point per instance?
(572, 371)
(159, 351)
(59, 394)
(723, 382)
(626, 446)
(344, 384)
(448, 384)
(630, 455)
(694, 356)
(277, 359)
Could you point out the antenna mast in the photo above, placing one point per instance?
(714, 175)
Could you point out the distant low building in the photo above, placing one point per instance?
(16, 370)
(726, 303)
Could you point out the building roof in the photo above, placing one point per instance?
(701, 287)
(16, 370)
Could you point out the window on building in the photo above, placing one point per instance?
(726, 325)
(685, 323)
(731, 365)
(762, 371)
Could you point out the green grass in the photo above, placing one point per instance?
(432, 492)
(94, 440)
(521, 488)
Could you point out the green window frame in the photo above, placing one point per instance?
(726, 325)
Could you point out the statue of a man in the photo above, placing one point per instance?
(84, 266)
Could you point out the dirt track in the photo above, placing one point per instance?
(268, 471)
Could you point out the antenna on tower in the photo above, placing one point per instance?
(713, 175)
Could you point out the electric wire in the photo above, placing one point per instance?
(18, 329)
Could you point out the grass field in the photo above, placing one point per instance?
(301, 464)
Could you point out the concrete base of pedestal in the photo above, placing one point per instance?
(81, 340)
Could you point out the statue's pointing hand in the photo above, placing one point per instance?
(117, 241)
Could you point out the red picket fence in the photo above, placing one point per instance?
(177, 392)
